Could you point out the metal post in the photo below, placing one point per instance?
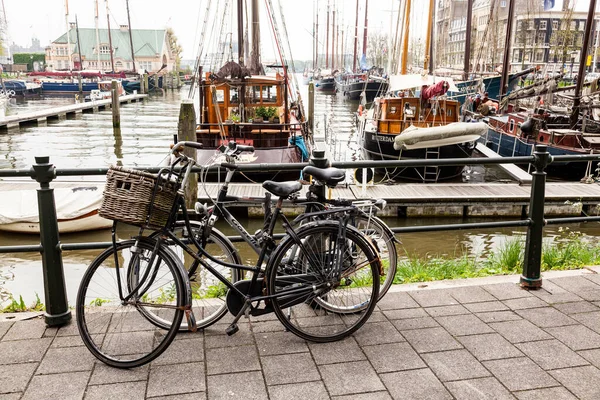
(311, 107)
(186, 131)
(116, 111)
(531, 278)
(57, 305)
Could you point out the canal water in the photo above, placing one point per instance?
(147, 130)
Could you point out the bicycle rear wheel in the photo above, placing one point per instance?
(115, 330)
(340, 276)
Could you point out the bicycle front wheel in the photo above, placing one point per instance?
(115, 328)
(324, 288)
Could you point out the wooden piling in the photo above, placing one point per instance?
(116, 109)
(186, 131)
(145, 83)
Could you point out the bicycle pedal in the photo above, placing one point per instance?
(232, 329)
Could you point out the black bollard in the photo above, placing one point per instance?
(532, 266)
(57, 305)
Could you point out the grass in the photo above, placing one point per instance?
(20, 306)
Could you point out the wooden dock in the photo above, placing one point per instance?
(63, 112)
(414, 199)
(514, 171)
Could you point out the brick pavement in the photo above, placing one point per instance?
(471, 339)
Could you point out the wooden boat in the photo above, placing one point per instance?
(352, 86)
(76, 208)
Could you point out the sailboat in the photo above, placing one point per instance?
(404, 125)
(239, 102)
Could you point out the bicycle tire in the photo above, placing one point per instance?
(116, 332)
(380, 235)
(309, 270)
(208, 303)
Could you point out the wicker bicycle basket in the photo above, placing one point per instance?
(128, 195)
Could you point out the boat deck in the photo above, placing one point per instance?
(63, 112)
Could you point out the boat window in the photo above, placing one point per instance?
(234, 95)
(511, 125)
(449, 112)
(392, 110)
(269, 94)
(220, 95)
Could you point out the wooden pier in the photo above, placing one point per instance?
(63, 112)
(495, 200)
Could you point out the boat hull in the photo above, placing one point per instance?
(84, 223)
(353, 90)
(325, 84)
(68, 87)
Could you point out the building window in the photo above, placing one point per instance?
(555, 25)
(503, 3)
(104, 50)
(542, 25)
(118, 65)
(531, 25)
(541, 38)
(539, 56)
(147, 65)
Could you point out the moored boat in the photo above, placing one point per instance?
(352, 86)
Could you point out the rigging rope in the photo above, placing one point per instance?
(197, 76)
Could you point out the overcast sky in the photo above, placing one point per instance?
(45, 19)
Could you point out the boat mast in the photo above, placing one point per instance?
(255, 65)
(112, 61)
(316, 40)
(428, 46)
(467, 65)
(333, 37)
(130, 37)
(78, 44)
(355, 38)
(582, 59)
(507, 49)
(68, 33)
(240, 22)
(405, 37)
(327, 39)
(364, 51)
(97, 37)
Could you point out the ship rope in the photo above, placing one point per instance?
(197, 76)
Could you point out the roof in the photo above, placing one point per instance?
(146, 42)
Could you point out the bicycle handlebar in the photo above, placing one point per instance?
(180, 145)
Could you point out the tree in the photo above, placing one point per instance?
(175, 47)
(377, 49)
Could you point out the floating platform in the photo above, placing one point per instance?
(63, 112)
(514, 171)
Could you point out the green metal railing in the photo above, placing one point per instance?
(50, 247)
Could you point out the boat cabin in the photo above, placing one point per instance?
(394, 114)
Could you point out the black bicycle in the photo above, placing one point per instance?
(321, 280)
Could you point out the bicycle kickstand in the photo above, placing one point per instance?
(233, 328)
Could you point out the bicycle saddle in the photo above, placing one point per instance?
(282, 189)
(331, 176)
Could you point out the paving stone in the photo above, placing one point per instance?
(170, 379)
(506, 291)
(272, 343)
(242, 386)
(584, 288)
(525, 302)
(14, 378)
(22, 351)
(376, 316)
(519, 331)
(68, 330)
(576, 307)
(231, 359)
(470, 294)
(405, 313)
(69, 386)
(463, 325)
(415, 323)
(433, 298)
(66, 359)
(396, 301)
(365, 396)
(378, 333)
(299, 391)
(555, 393)
(289, 368)
(584, 382)
(593, 356)
(218, 338)
(187, 396)
(393, 357)
(551, 293)
(424, 385)
(446, 310)
(498, 316)
(341, 351)
(455, 365)
(519, 374)
(551, 354)
(27, 329)
(479, 389)
(182, 351)
(4, 327)
(577, 337)
(68, 341)
(487, 306)
(489, 346)
(267, 326)
(121, 391)
(11, 396)
(591, 320)
(350, 378)
(104, 374)
(546, 317)
(431, 339)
